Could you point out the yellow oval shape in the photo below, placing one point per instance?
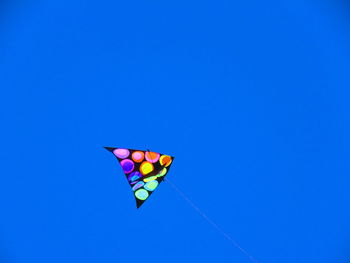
(151, 178)
(146, 168)
(162, 173)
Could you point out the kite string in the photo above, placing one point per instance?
(182, 194)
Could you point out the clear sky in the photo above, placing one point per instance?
(251, 97)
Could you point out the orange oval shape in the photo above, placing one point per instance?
(138, 156)
(165, 160)
(152, 157)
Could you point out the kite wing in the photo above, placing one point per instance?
(144, 170)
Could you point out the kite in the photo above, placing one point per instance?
(144, 170)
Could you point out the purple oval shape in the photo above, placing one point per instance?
(121, 153)
(127, 166)
(134, 176)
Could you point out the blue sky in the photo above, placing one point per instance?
(251, 97)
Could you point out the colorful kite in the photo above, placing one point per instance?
(144, 170)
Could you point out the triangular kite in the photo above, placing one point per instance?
(144, 170)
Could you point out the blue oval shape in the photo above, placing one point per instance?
(138, 185)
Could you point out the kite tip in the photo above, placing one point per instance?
(109, 149)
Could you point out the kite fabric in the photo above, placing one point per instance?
(144, 170)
